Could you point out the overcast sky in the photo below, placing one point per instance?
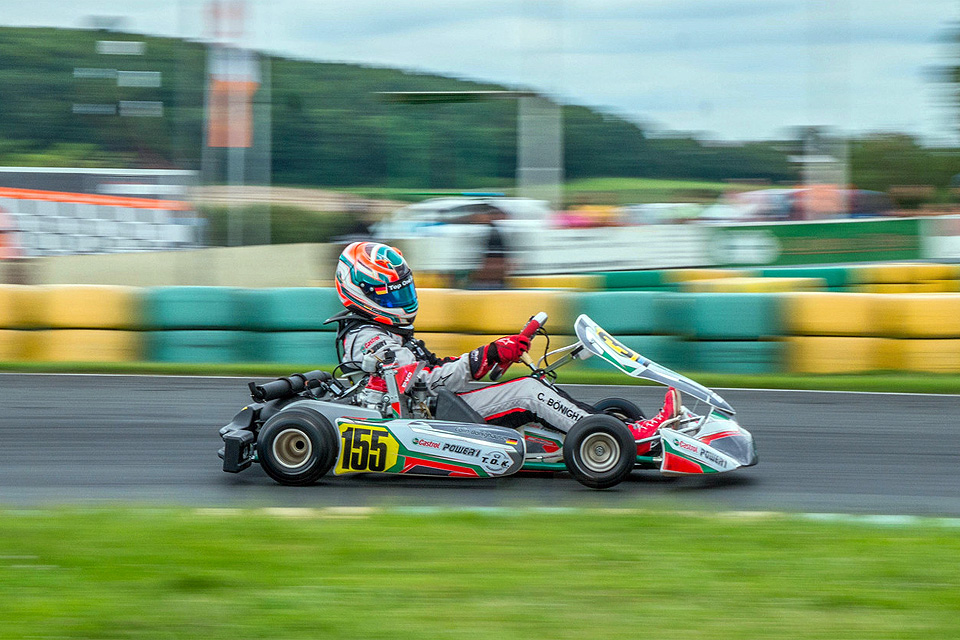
(735, 69)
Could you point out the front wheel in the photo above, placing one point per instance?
(599, 451)
(297, 446)
(620, 408)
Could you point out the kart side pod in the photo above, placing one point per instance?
(428, 448)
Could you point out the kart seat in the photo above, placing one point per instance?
(453, 408)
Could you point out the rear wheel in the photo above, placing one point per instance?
(297, 446)
(620, 408)
(599, 451)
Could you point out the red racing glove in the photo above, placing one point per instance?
(510, 348)
(504, 352)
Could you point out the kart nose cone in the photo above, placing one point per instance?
(739, 446)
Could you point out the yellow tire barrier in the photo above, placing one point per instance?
(927, 356)
(13, 345)
(927, 286)
(677, 276)
(432, 280)
(903, 272)
(944, 286)
(581, 282)
(882, 273)
(18, 306)
(506, 312)
(85, 345)
(87, 307)
(754, 285)
(830, 313)
(439, 310)
(920, 316)
(935, 271)
(820, 354)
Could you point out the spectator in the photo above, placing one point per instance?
(493, 272)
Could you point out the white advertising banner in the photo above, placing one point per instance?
(610, 248)
(941, 238)
(535, 250)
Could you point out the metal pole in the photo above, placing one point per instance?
(235, 168)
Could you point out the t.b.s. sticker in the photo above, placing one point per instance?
(365, 447)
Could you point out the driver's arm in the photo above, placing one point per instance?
(453, 373)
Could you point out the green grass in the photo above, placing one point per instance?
(881, 381)
(140, 573)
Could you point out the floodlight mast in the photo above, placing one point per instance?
(539, 171)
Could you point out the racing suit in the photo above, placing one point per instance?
(513, 403)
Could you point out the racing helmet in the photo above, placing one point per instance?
(375, 280)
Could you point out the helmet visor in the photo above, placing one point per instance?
(399, 295)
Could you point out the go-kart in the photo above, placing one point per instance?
(373, 419)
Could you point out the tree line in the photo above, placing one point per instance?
(330, 127)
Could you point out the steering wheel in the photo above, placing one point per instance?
(529, 331)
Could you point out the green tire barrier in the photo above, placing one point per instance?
(738, 357)
(620, 312)
(632, 279)
(674, 313)
(294, 309)
(666, 350)
(195, 346)
(719, 316)
(308, 348)
(191, 308)
(836, 278)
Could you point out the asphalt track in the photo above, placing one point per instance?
(89, 439)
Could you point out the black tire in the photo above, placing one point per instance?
(599, 451)
(620, 408)
(297, 447)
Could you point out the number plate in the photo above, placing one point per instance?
(366, 448)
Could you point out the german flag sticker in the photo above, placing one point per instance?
(509, 441)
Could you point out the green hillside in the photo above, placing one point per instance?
(329, 126)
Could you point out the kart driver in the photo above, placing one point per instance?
(375, 284)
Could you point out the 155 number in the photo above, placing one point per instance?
(363, 450)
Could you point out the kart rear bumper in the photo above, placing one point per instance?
(237, 451)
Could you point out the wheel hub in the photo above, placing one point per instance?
(600, 452)
(292, 448)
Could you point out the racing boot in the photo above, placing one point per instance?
(646, 428)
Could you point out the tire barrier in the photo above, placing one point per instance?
(832, 314)
(18, 306)
(733, 332)
(753, 285)
(834, 354)
(207, 347)
(83, 345)
(288, 347)
(191, 308)
(287, 309)
(620, 312)
(87, 307)
(919, 316)
(581, 282)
